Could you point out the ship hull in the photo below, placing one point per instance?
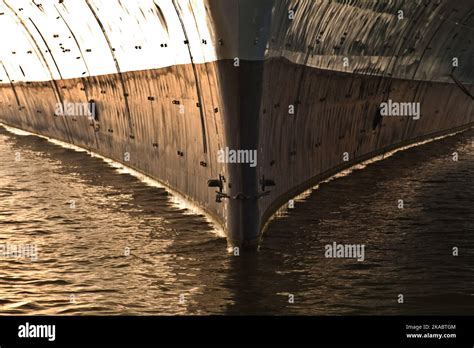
(303, 92)
(336, 124)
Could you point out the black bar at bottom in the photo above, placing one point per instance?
(136, 331)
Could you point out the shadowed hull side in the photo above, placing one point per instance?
(338, 114)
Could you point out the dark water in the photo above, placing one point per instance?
(82, 214)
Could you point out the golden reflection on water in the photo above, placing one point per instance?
(110, 244)
(96, 232)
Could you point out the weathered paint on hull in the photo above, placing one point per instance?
(336, 113)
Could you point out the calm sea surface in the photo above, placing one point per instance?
(84, 217)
